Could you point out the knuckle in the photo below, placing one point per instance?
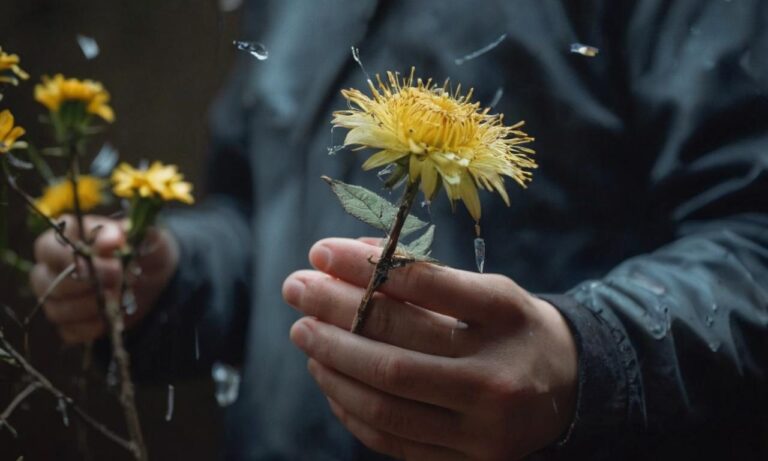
(381, 415)
(383, 324)
(391, 372)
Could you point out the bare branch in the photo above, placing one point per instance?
(48, 291)
(20, 397)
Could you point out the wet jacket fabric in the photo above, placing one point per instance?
(646, 224)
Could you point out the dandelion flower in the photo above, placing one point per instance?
(55, 92)
(9, 134)
(58, 198)
(10, 62)
(440, 137)
(159, 181)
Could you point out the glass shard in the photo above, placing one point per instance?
(129, 302)
(255, 49)
(61, 407)
(105, 161)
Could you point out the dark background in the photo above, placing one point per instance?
(162, 62)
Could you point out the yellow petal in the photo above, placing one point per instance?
(469, 195)
(6, 123)
(382, 158)
(429, 180)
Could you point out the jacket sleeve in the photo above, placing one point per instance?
(203, 313)
(673, 344)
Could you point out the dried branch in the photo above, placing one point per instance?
(69, 270)
(46, 384)
(20, 397)
(386, 262)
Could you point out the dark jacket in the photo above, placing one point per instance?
(648, 214)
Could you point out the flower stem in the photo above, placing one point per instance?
(385, 263)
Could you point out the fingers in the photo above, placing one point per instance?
(335, 301)
(389, 444)
(412, 375)
(72, 310)
(43, 277)
(404, 418)
(471, 297)
(82, 332)
(50, 250)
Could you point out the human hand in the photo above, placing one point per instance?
(421, 385)
(72, 305)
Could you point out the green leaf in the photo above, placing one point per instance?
(42, 166)
(422, 246)
(371, 208)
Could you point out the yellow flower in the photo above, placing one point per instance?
(158, 181)
(437, 136)
(11, 62)
(54, 92)
(9, 133)
(58, 197)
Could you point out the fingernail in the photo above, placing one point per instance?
(292, 290)
(301, 335)
(320, 256)
(109, 234)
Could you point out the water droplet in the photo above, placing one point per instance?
(554, 406)
(105, 160)
(129, 302)
(61, 407)
(333, 150)
(481, 51)
(112, 378)
(170, 402)
(227, 380)
(496, 97)
(88, 46)
(255, 49)
(385, 172)
(197, 344)
(584, 50)
(480, 254)
(356, 57)
(714, 346)
(714, 307)
(709, 320)
(228, 6)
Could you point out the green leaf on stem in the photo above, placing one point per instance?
(41, 165)
(370, 207)
(422, 246)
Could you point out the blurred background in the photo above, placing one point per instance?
(163, 62)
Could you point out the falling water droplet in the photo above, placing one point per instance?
(584, 50)
(333, 150)
(496, 97)
(714, 307)
(170, 402)
(709, 320)
(481, 51)
(227, 380)
(61, 407)
(480, 254)
(88, 46)
(129, 302)
(713, 346)
(356, 57)
(197, 344)
(255, 49)
(385, 172)
(105, 161)
(112, 379)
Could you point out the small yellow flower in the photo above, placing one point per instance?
(158, 181)
(54, 92)
(9, 133)
(11, 62)
(58, 198)
(437, 136)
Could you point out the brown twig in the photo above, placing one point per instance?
(385, 262)
(69, 270)
(20, 397)
(46, 384)
(114, 318)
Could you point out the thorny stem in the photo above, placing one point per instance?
(46, 384)
(114, 318)
(385, 262)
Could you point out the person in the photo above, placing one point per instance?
(647, 218)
